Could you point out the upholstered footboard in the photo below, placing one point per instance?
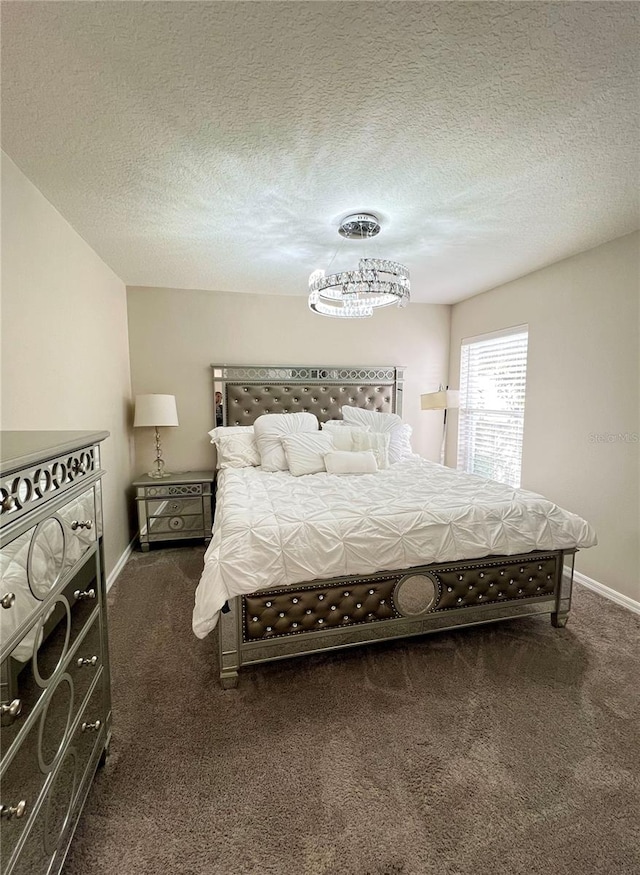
(326, 615)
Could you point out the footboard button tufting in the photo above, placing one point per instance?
(345, 617)
(294, 625)
(333, 607)
(449, 589)
(371, 592)
(281, 614)
(320, 597)
(320, 620)
(459, 598)
(308, 611)
(295, 601)
(267, 604)
(268, 628)
(255, 619)
(359, 605)
(346, 595)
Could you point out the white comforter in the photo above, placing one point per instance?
(273, 529)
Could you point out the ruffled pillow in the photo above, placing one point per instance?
(383, 423)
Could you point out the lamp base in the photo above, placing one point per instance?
(158, 475)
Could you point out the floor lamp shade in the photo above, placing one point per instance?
(443, 399)
(155, 410)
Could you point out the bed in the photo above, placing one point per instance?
(317, 563)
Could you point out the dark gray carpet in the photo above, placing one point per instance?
(502, 750)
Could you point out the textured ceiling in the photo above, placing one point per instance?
(216, 145)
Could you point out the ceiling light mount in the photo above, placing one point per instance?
(355, 294)
(359, 226)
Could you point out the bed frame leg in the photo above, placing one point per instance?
(564, 590)
(229, 644)
(229, 680)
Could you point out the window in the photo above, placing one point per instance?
(493, 376)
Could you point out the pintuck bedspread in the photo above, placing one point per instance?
(273, 529)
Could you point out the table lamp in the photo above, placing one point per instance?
(156, 411)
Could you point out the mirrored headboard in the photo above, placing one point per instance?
(248, 391)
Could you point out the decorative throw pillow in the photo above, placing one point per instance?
(376, 442)
(271, 427)
(305, 452)
(342, 436)
(350, 463)
(237, 451)
(385, 423)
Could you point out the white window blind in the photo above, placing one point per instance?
(493, 376)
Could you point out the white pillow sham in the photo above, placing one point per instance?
(271, 427)
(305, 451)
(376, 442)
(342, 463)
(217, 433)
(385, 423)
(237, 451)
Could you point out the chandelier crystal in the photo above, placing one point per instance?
(355, 294)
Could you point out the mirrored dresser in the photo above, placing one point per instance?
(54, 662)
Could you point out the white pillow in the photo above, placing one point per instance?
(386, 423)
(217, 433)
(343, 437)
(377, 442)
(271, 427)
(350, 463)
(305, 451)
(342, 423)
(237, 451)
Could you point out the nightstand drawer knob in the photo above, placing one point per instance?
(88, 660)
(12, 709)
(8, 503)
(91, 727)
(79, 594)
(175, 505)
(81, 525)
(10, 811)
(7, 600)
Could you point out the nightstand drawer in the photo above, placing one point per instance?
(174, 506)
(175, 525)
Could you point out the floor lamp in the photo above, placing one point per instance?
(156, 411)
(443, 399)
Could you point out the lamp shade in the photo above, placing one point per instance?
(155, 410)
(442, 400)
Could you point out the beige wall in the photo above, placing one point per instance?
(582, 381)
(65, 354)
(175, 335)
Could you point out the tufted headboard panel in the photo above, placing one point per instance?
(249, 391)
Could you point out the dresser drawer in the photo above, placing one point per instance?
(79, 659)
(33, 564)
(69, 624)
(57, 767)
(174, 506)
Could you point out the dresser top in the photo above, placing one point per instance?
(19, 449)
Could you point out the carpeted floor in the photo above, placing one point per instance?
(512, 749)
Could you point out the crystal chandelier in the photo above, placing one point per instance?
(355, 294)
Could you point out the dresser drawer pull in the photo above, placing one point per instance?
(91, 727)
(87, 594)
(10, 811)
(8, 503)
(89, 660)
(7, 600)
(81, 525)
(12, 709)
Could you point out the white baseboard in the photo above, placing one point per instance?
(606, 591)
(122, 561)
